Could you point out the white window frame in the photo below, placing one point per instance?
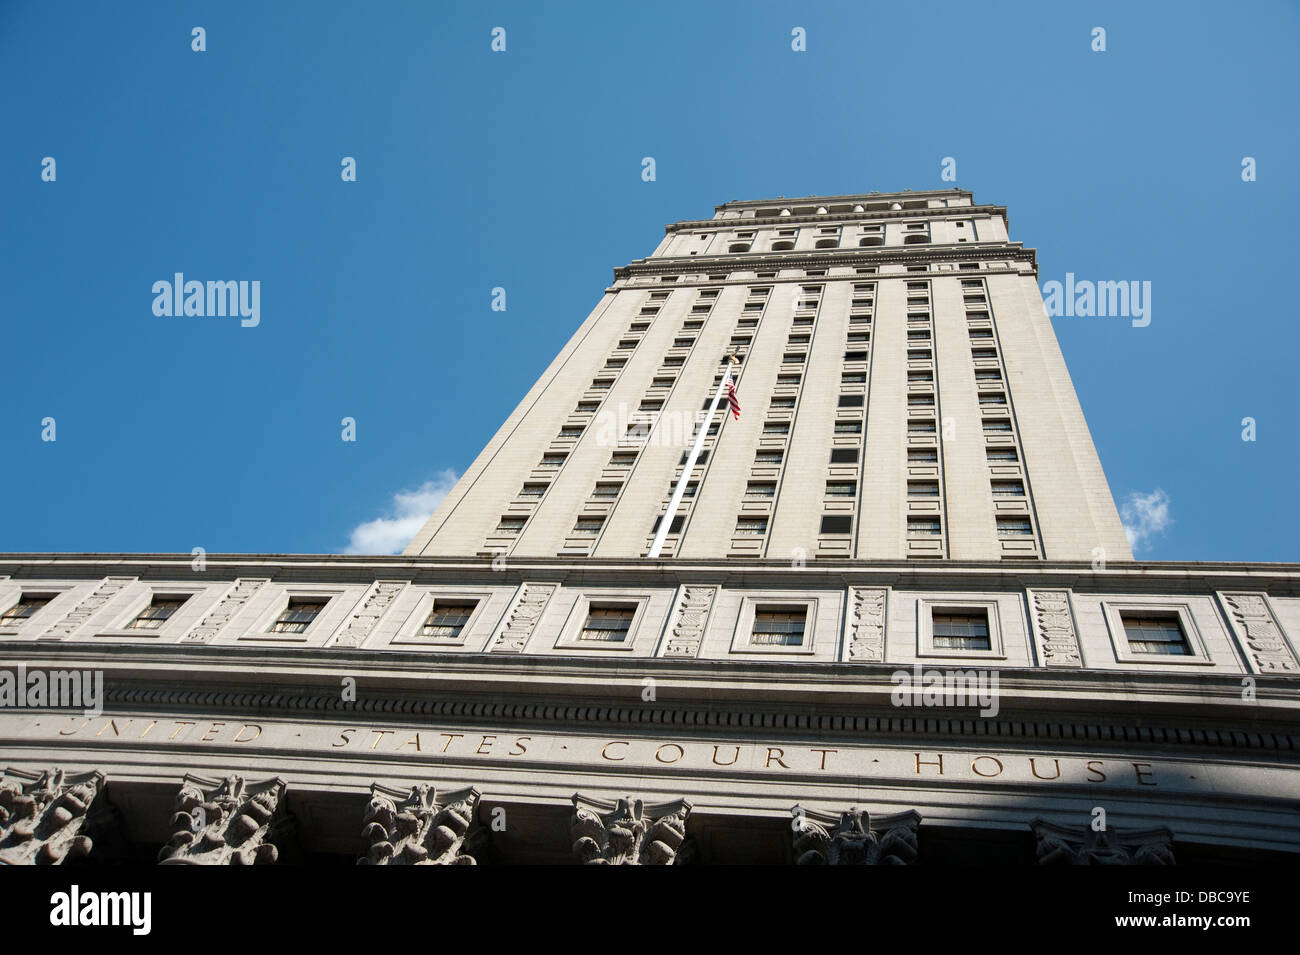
(570, 636)
(408, 633)
(925, 608)
(1112, 609)
(170, 628)
(742, 636)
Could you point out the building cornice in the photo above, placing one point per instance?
(1079, 709)
(728, 225)
(876, 255)
(828, 572)
(855, 197)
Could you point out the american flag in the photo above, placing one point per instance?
(732, 401)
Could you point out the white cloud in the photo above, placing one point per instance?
(410, 509)
(1144, 516)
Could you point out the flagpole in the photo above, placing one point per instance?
(666, 521)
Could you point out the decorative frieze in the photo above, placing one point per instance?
(1260, 633)
(223, 822)
(523, 617)
(363, 620)
(692, 613)
(866, 625)
(417, 826)
(628, 832)
(1084, 845)
(1055, 624)
(43, 816)
(221, 614)
(854, 838)
(109, 588)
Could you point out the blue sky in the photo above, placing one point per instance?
(522, 170)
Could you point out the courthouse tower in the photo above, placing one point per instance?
(904, 397)
(896, 618)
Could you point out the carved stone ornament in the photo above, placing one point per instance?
(1083, 845)
(1258, 629)
(628, 832)
(523, 617)
(854, 838)
(223, 822)
(362, 620)
(688, 624)
(1056, 632)
(225, 610)
(108, 588)
(43, 816)
(866, 625)
(417, 826)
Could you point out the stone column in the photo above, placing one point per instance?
(43, 816)
(418, 826)
(1083, 845)
(628, 832)
(224, 822)
(854, 838)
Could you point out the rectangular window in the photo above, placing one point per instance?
(571, 431)
(300, 613)
(992, 398)
(988, 374)
(837, 524)
(844, 456)
(922, 375)
(26, 606)
(786, 401)
(776, 427)
(760, 490)
(918, 426)
(848, 427)
(607, 491)
(853, 378)
(923, 527)
(1003, 454)
(622, 459)
(768, 457)
(1155, 633)
(510, 525)
(960, 629)
(922, 455)
(673, 361)
(922, 488)
(704, 456)
(608, 623)
(588, 526)
(788, 379)
(1014, 527)
(751, 527)
(533, 490)
(662, 382)
(855, 356)
(553, 460)
(983, 353)
(778, 626)
(674, 528)
(793, 358)
(1008, 489)
(601, 384)
(997, 425)
(850, 401)
(683, 342)
(157, 613)
(447, 618)
(587, 407)
(841, 488)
